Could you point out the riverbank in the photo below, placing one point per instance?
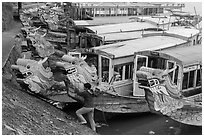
(24, 114)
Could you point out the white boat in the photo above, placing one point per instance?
(114, 64)
(171, 79)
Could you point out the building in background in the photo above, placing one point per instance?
(96, 9)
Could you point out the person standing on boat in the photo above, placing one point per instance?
(88, 107)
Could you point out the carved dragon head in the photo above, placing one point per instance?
(159, 81)
(78, 71)
(35, 75)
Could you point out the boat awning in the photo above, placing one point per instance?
(122, 27)
(183, 31)
(120, 36)
(187, 54)
(127, 48)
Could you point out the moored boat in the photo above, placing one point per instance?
(114, 65)
(171, 80)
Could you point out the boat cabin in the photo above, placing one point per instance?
(187, 62)
(114, 62)
(191, 34)
(112, 33)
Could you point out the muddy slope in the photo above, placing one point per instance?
(23, 113)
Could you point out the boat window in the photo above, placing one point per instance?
(188, 79)
(198, 80)
(119, 71)
(170, 66)
(105, 69)
(157, 63)
(141, 61)
(124, 71)
(128, 71)
(191, 79)
(185, 80)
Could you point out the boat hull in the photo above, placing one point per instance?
(190, 114)
(120, 104)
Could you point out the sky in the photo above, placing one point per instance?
(189, 7)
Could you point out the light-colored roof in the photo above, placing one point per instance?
(109, 20)
(183, 31)
(127, 48)
(125, 35)
(130, 26)
(188, 55)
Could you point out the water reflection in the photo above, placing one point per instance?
(145, 124)
(136, 123)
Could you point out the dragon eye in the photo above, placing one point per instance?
(28, 67)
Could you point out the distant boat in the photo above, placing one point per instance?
(172, 80)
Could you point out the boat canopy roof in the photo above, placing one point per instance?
(183, 31)
(130, 26)
(117, 36)
(125, 35)
(127, 48)
(159, 20)
(187, 54)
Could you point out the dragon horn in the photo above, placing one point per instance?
(42, 61)
(59, 64)
(15, 67)
(20, 80)
(45, 59)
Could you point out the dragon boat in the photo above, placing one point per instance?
(115, 66)
(171, 80)
(43, 69)
(38, 68)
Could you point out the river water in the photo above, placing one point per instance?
(145, 124)
(136, 123)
